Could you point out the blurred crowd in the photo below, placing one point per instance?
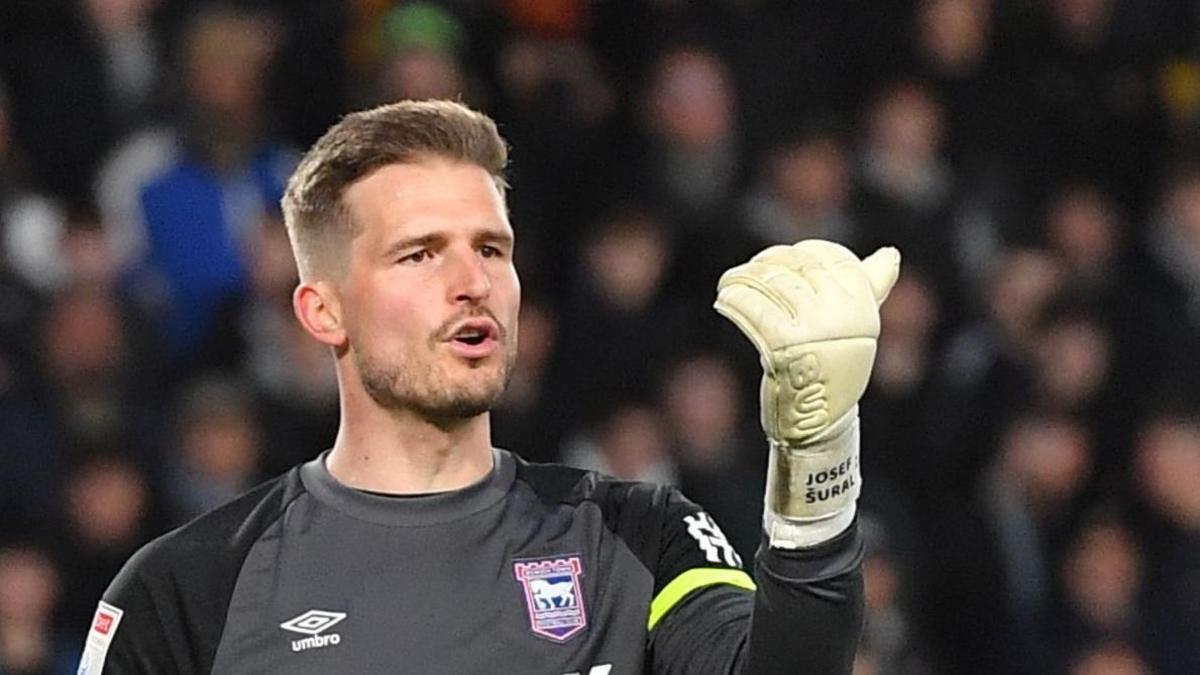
(1031, 435)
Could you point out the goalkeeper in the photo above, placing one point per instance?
(414, 546)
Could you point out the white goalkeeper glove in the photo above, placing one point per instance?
(812, 312)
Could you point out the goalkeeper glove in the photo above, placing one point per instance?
(812, 312)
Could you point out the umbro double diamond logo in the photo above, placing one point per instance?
(314, 623)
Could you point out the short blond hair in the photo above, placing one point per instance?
(318, 223)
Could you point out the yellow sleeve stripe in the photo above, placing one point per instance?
(691, 580)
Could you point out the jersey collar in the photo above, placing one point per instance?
(410, 510)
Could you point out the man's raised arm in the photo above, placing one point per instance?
(811, 311)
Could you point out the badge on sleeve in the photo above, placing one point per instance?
(553, 596)
(99, 637)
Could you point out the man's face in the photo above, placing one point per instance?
(430, 299)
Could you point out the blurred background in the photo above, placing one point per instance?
(1031, 436)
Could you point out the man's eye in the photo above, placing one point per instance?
(416, 257)
(490, 252)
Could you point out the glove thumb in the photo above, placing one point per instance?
(882, 268)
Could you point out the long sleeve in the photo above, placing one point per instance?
(805, 616)
(808, 609)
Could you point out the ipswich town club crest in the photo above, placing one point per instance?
(553, 596)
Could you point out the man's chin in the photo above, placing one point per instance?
(472, 398)
(459, 408)
(449, 394)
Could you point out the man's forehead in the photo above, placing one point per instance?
(425, 178)
(423, 195)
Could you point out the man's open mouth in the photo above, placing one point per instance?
(471, 337)
(475, 332)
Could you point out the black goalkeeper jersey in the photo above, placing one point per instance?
(538, 569)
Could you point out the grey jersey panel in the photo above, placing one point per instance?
(367, 583)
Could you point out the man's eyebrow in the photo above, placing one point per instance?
(494, 234)
(421, 241)
(490, 234)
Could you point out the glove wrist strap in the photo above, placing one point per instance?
(789, 534)
(812, 488)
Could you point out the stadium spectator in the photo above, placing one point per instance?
(99, 374)
(95, 392)
(423, 45)
(255, 334)
(804, 193)
(1102, 580)
(717, 451)
(629, 443)
(1091, 92)
(955, 45)
(1085, 228)
(30, 642)
(907, 184)
(908, 193)
(987, 363)
(219, 448)
(906, 390)
(104, 57)
(692, 159)
(108, 513)
(553, 100)
(202, 208)
(1166, 465)
(987, 595)
(77, 269)
(891, 644)
(620, 315)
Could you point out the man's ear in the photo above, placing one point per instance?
(318, 310)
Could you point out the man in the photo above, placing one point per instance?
(414, 546)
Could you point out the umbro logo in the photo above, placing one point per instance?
(313, 623)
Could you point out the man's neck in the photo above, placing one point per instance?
(398, 452)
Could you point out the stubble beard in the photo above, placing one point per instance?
(419, 386)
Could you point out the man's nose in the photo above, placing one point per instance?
(469, 280)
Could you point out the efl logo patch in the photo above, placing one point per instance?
(104, 622)
(553, 596)
(95, 649)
